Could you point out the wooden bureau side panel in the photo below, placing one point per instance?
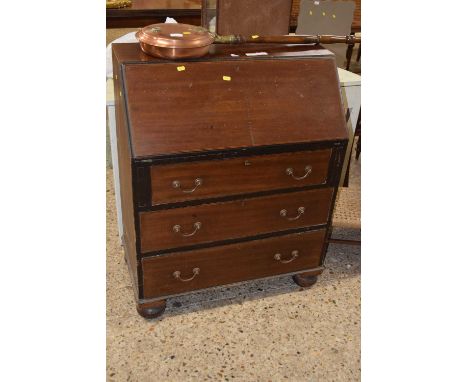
(230, 263)
(125, 175)
(238, 175)
(234, 219)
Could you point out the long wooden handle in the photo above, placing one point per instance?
(317, 39)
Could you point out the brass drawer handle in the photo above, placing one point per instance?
(290, 171)
(196, 226)
(195, 271)
(294, 256)
(197, 182)
(300, 212)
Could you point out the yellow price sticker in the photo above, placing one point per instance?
(187, 32)
(180, 68)
(255, 36)
(226, 78)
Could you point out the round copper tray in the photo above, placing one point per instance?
(174, 41)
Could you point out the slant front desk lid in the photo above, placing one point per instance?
(228, 99)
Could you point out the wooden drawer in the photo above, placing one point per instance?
(195, 180)
(165, 275)
(186, 226)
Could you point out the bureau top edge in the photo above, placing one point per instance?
(132, 53)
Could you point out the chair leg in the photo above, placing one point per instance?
(346, 179)
(358, 132)
(358, 148)
(349, 55)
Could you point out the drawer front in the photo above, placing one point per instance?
(195, 180)
(187, 271)
(187, 226)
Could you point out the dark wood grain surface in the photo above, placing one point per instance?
(253, 17)
(264, 102)
(227, 220)
(237, 175)
(148, 5)
(145, 12)
(230, 263)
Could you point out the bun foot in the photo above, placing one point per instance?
(151, 309)
(305, 280)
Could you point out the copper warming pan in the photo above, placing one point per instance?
(180, 41)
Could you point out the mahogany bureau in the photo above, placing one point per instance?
(228, 166)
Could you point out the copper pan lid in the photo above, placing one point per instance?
(175, 36)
